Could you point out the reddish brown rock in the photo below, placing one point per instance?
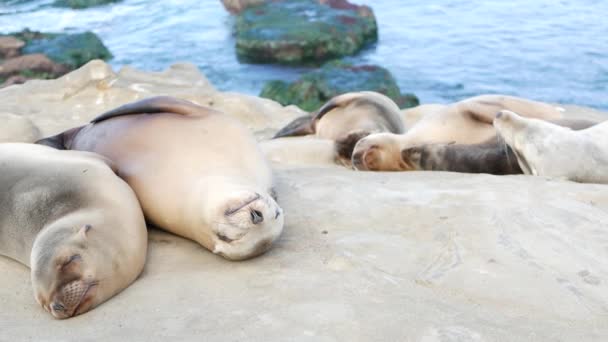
(10, 46)
(236, 6)
(32, 66)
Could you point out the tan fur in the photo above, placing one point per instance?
(362, 111)
(465, 122)
(61, 206)
(546, 149)
(198, 174)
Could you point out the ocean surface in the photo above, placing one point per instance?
(549, 50)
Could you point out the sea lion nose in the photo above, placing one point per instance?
(57, 307)
(499, 115)
(257, 216)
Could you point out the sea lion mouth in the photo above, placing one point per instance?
(84, 299)
(58, 309)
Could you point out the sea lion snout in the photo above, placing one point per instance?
(257, 216)
(249, 230)
(72, 299)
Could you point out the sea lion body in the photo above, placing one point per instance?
(493, 156)
(348, 116)
(197, 173)
(465, 122)
(68, 217)
(546, 149)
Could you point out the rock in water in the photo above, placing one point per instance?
(10, 46)
(303, 31)
(80, 4)
(73, 50)
(315, 88)
(31, 66)
(237, 6)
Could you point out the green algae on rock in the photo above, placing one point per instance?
(315, 88)
(72, 50)
(303, 31)
(80, 4)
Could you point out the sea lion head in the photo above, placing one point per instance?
(71, 270)
(378, 152)
(247, 224)
(515, 132)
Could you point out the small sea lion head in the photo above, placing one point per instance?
(69, 269)
(248, 223)
(378, 152)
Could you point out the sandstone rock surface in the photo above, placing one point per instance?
(416, 256)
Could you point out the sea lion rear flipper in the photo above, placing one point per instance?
(61, 141)
(157, 104)
(56, 141)
(300, 126)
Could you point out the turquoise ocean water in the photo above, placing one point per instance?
(548, 50)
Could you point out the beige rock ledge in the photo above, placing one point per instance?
(416, 256)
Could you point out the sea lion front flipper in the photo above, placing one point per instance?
(300, 126)
(157, 104)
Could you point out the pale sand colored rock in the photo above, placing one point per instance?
(17, 128)
(76, 98)
(410, 255)
(420, 256)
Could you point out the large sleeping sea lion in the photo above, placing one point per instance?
(197, 172)
(546, 149)
(78, 226)
(465, 122)
(493, 156)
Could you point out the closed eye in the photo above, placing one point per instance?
(71, 259)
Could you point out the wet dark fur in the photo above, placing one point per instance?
(152, 105)
(493, 156)
(344, 147)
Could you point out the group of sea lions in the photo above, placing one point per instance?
(75, 211)
(493, 134)
(76, 218)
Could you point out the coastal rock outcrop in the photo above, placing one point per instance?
(80, 4)
(422, 256)
(314, 88)
(303, 31)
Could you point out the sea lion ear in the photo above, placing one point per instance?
(84, 230)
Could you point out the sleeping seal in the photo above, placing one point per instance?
(346, 117)
(197, 172)
(546, 149)
(493, 156)
(464, 122)
(79, 227)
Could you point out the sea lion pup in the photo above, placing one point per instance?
(347, 117)
(546, 149)
(68, 217)
(464, 122)
(197, 172)
(493, 156)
